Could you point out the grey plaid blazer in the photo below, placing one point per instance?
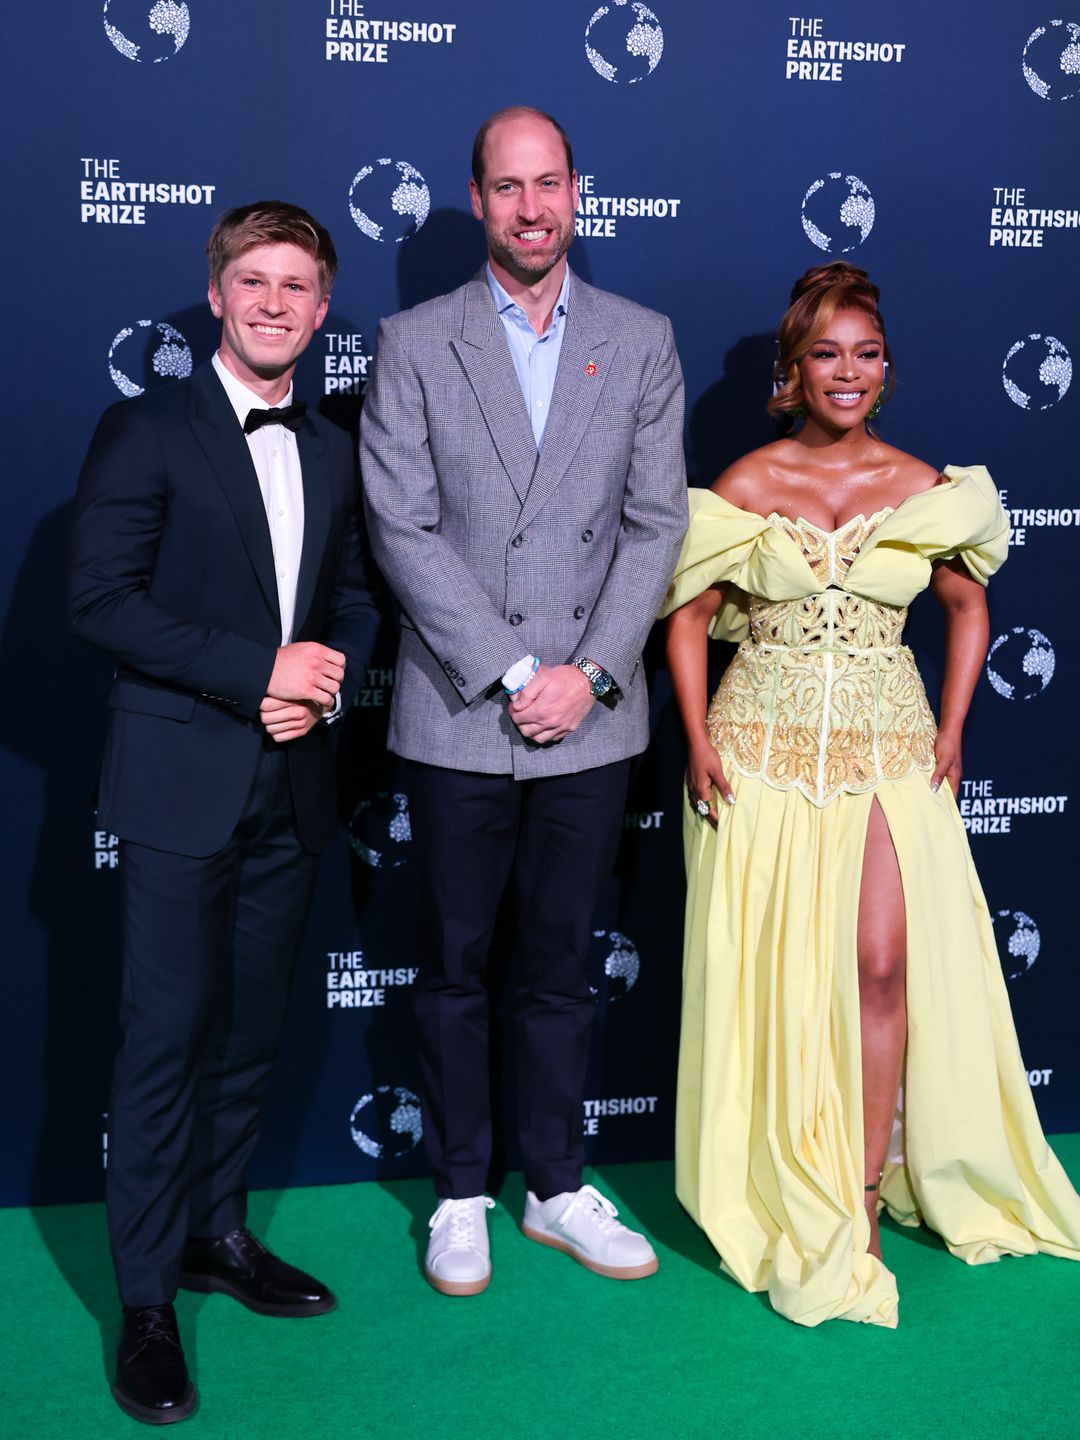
(496, 552)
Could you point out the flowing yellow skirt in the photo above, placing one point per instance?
(769, 1133)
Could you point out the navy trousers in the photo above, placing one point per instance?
(554, 840)
(209, 946)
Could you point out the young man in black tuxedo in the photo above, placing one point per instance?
(216, 555)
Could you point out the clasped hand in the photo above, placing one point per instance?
(304, 684)
(553, 703)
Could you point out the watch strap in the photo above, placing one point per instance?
(599, 679)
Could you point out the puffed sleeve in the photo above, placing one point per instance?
(963, 519)
(728, 546)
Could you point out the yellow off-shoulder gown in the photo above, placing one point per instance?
(820, 713)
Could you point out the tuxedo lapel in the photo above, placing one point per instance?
(485, 357)
(222, 440)
(584, 363)
(315, 468)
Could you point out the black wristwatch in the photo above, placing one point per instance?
(599, 680)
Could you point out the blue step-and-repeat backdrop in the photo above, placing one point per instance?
(722, 149)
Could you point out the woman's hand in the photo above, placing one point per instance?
(967, 636)
(704, 773)
(949, 766)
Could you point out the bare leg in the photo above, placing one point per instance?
(882, 951)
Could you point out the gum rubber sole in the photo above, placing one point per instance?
(456, 1287)
(612, 1272)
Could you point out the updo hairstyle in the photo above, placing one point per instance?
(816, 298)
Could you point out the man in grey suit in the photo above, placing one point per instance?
(530, 552)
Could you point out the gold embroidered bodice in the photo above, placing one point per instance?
(822, 697)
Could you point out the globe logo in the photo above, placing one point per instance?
(380, 832)
(1020, 664)
(614, 964)
(614, 32)
(837, 200)
(1037, 360)
(389, 197)
(387, 1123)
(1021, 947)
(152, 352)
(1053, 50)
(159, 31)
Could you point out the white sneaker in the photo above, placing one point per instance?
(457, 1260)
(582, 1222)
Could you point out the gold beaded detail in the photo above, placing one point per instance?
(822, 697)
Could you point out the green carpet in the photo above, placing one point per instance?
(549, 1351)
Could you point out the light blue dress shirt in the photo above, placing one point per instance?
(536, 357)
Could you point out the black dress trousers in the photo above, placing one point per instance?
(209, 946)
(555, 839)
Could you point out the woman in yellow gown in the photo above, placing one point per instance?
(837, 939)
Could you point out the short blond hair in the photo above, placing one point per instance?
(270, 222)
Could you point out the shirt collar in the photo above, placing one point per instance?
(504, 302)
(240, 397)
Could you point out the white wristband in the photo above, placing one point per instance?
(520, 673)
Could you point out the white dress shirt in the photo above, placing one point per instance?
(277, 464)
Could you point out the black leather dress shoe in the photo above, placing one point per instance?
(151, 1374)
(238, 1265)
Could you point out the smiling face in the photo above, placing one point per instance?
(842, 372)
(527, 199)
(270, 304)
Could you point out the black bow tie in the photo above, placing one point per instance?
(288, 415)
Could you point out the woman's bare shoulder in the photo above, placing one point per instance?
(910, 475)
(742, 482)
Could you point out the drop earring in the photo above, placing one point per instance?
(875, 408)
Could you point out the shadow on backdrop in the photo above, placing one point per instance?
(76, 905)
(730, 417)
(445, 252)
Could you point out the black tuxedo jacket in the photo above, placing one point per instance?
(172, 572)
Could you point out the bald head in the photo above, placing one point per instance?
(514, 112)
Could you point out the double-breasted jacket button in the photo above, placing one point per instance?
(579, 612)
(586, 536)
(516, 619)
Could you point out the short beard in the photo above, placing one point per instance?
(516, 264)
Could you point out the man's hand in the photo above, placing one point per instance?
(553, 703)
(307, 672)
(286, 720)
